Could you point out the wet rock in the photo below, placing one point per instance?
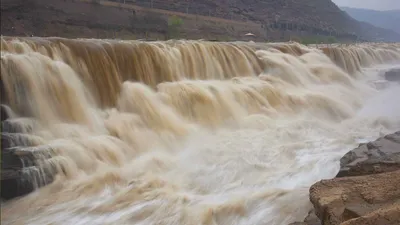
(365, 190)
(370, 199)
(22, 173)
(382, 155)
(13, 181)
(22, 168)
(20, 125)
(4, 112)
(15, 187)
(311, 219)
(393, 75)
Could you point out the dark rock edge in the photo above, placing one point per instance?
(367, 159)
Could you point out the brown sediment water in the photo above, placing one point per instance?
(185, 132)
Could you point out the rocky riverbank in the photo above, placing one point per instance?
(366, 189)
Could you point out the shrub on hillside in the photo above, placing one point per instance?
(174, 26)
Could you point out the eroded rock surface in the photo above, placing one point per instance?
(362, 197)
(388, 216)
(21, 171)
(382, 155)
(366, 190)
(311, 219)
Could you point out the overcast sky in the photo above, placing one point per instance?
(370, 4)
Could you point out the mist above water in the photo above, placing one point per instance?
(188, 132)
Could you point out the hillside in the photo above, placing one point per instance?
(106, 19)
(385, 19)
(315, 16)
(277, 20)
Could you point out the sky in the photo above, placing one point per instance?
(370, 4)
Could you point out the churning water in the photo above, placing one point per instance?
(188, 132)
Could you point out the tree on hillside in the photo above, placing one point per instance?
(174, 26)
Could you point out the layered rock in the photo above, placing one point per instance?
(366, 190)
(382, 155)
(342, 199)
(21, 172)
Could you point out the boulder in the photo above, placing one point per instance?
(382, 155)
(393, 75)
(370, 199)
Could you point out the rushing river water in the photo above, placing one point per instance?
(189, 132)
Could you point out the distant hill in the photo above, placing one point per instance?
(312, 16)
(385, 19)
(272, 20)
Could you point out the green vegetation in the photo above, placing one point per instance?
(174, 26)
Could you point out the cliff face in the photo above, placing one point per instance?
(74, 18)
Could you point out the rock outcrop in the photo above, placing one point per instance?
(13, 181)
(393, 75)
(342, 199)
(20, 171)
(366, 190)
(382, 155)
(311, 219)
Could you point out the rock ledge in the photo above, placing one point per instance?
(366, 191)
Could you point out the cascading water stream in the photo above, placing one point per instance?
(184, 132)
